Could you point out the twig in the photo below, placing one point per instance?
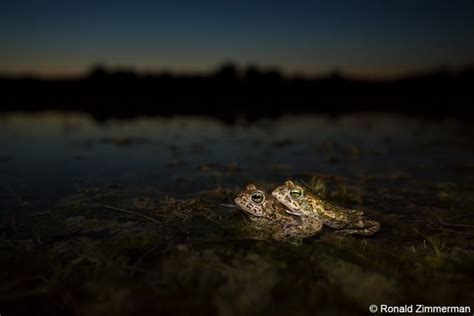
(21, 294)
(229, 205)
(131, 212)
(450, 225)
(204, 192)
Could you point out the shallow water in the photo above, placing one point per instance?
(63, 152)
(69, 247)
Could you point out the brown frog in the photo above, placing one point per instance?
(268, 214)
(302, 202)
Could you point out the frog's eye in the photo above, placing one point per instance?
(296, 193)
(257, 197)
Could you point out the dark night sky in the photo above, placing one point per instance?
(359, 37)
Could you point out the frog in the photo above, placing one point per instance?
(301, 201)
(269, 214)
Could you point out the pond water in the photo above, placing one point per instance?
(68, 246)
(59, 153)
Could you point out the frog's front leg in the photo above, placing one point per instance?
(309, 226)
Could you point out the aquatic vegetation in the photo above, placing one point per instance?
(317, 185)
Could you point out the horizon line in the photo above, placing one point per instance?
(240, 68)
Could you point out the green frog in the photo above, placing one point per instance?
(268, 214)
(302, 202)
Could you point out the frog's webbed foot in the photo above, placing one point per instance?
(363, 227)
(371, 227)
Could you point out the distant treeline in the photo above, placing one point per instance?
(230, 92)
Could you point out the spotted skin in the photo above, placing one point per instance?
(267, 213)
(301, 202)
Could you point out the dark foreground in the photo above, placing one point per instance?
(131, 217)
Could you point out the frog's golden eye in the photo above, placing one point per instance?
(257, 197)
(296, 193)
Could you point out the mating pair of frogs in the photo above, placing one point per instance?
(293, 211)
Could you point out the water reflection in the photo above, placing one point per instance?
(48, 154)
